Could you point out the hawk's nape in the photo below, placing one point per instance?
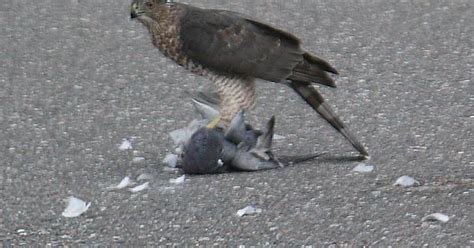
(232, 50)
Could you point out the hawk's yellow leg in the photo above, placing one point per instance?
(214, 122)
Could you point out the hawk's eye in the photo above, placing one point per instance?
(149, 5)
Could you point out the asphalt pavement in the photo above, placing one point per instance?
(78, 76)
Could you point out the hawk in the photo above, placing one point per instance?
(233, 50)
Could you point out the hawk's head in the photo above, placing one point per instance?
(145, 7)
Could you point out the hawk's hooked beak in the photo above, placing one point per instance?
(135, 12)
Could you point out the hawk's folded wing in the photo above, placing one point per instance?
(230, 43)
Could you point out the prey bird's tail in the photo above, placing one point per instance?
(316, 101)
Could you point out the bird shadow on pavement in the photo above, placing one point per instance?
(342, 158)
(295, 160)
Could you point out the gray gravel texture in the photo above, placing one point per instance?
(78, 76)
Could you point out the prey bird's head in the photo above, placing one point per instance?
(145, 7)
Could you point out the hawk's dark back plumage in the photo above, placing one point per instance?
(232, 50)
(232, 43)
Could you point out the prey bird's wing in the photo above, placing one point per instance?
(265, 140)
(208, 97)
(205, 103)
(207, 112)
(236, 130)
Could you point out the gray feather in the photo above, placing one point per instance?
(206, 111)
(236, 130)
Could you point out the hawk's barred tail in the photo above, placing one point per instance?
(314, 98)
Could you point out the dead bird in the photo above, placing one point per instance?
(210, 150)
(204, 150)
